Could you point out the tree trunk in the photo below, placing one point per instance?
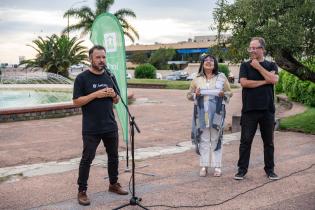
(286, 61)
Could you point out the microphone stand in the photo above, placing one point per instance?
(134, 201)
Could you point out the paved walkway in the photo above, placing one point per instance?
(163, 144)
(54, 167)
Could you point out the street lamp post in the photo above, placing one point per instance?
(78, 2)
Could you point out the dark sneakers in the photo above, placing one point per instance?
(83, 198)
(272, 175)
(240, 175)
(116, 188)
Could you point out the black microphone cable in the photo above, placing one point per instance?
(233, 197)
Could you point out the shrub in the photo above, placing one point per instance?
(296, 89)
(224, 69)
(279, 85)
(145, 71)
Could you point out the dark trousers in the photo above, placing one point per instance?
(249, 122)
(90, 144)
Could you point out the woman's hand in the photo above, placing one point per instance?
(221, 94)
(197, 91)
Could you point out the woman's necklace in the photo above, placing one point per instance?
(208, 78)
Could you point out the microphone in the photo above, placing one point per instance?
(108, 72)
(112, 78)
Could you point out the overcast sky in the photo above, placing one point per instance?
(165, 21)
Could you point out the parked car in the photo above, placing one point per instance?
(173, 76)
(158, 76)
(192, 76)
(78, 66)
(128, 75)
(177, 75)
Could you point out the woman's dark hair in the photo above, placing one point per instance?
(215, 70)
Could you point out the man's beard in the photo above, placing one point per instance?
(253, 56)
(98, 67)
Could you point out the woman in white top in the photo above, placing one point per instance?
(210, 91)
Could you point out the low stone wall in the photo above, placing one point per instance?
(282, 99)
(39, 112)
(149, 86)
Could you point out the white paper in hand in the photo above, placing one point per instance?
(212, 92)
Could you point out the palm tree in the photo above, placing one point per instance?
(87, 17)
(56, 54)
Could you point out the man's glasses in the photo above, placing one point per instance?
(250, 49)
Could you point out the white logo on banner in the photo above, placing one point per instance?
(110, 42)
(113, 66)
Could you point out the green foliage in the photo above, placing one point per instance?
(296, 89)
(304, 122)
(219, 19)
(145, 71)
(220, 52)
(87, 16)
(139, 58)
(160, 57)
(310, 63)
(286, 25)
(279, 85)
(224, 69)
(220, 26)
(56, 54)
(174, 67)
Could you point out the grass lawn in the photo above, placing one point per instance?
(304, 122)
(181, 85)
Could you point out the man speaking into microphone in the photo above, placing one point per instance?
(95, 93)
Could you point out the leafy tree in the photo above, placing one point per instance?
(87, 16)
(288, 27)
(220, 49)
(56, 54)
(160, 57)
(139, 57)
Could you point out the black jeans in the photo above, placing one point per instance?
(90, 144)
(249, 122)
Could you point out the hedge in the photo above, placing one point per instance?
(296, 89)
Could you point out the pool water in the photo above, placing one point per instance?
(26, 98)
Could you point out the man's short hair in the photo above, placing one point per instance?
(261, 41)
(97, 47)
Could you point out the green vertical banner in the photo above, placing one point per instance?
(107, 31)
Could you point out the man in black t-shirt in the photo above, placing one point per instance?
(257, 77)
(95, 91)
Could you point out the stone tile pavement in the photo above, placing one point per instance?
(164, 118)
